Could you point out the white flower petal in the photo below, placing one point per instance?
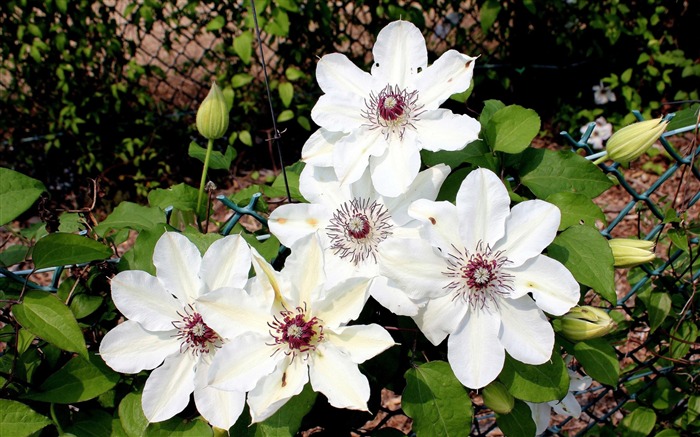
(532, 225)
(451, 73)
(318, 149)
(177, 262)
(267, 281)
(415, 266)
(391, 297)
(342, 303)
(541, 414)
(352, 153)
(221, 408)
(395, 170)
(232, 312)
(361, 342)
(242, 362)
(340, 112)
(425, 186)
(399, 53)
(525, 332)
(320, 185)
(440, 317)
(304, 270)
(474, 350)
(553, 287)
(335, 73)
(274, 391)
(482, 205)
(142, 298)
(440, 223)
(351, 390)
(568, 406)
(168, 388)
(226, 263)
(128, 348)
(292, 222)
(440, 129)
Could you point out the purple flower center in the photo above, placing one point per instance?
(478, 277)
(194, 334)
(392, 110)
(357, 227)
(295, 332)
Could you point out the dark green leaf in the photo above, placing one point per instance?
(13, 255)
(18, 420)
(48, 318)
(243, 46)
(131, 415)
(17, 193)
(140, 257)
(476, 153)
(490, 108)
(436, 401)
(132, 216)
(546, 172)
(488, 13)
(586, 253)
(685, 117)
(639, 423)
(684, 337)
(449, 188)
(287, 420)
(61, 249)
(217, 160)
(177, 427)
(79, 380)
(599, 360)
(659, 306)
(518, 422)
(679, 238)
(180, 196)
(511, 129)
(576, 209)
(83, 305)
(92, 423)
(542, 383)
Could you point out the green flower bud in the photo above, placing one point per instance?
(586, 322)
(630, 253)
(497, 398)
(630, 142)
(212, 115)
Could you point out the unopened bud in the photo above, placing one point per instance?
(212, 115)
(497, 398)
(585, 323)
(629, 253)
(630, 142)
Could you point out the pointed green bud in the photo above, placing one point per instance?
(497, 398)
(630, 142)
(212, 115)
(629, 253)
(586, 322)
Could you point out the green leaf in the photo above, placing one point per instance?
(132, 216)
(217, 160)
(287, 420)
(449, 188)
(687, 334)
(518, 422)
(79, 380)
(598, 358)
(18, 420)
(131, 415)
(241, 79)
(543, 383)
(243, 46)
(490, 107)
(17, 193)
(586, 253)
(202, 241)
(245, 137)
(48, 318)
(177, 427)
(436, 401)
(140, 257)
(546, 172)
(685, 117)
(659, 306)
(83, 305)
(511, 129)
(639, 423)
(92, 423)
(62, 6)
(488, 14)
(476, 153)
(61, 249)
(13, 255)
(278, 186)
(216, 24)
(180, 196)
(679, 238)
(286, 92)
(576, 209)
(293, 73)
(285, 115)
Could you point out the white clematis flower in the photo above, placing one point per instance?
(165, 326)
(289, 329)
(383, 119)
(477, 267)
(568, 406)
(351, 220)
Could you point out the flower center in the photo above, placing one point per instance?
(392, 110)
(295, 333)
(478, 277)
(357, 227)
(194, 334)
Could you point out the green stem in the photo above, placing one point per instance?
(601, 160)
(55, 420)
(210, 146)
